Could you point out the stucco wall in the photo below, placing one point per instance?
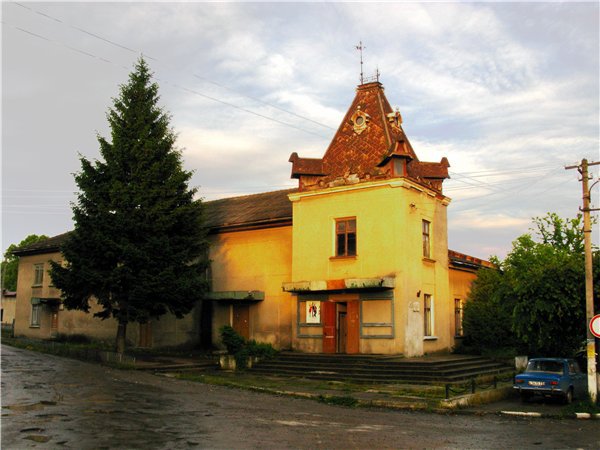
(389, 243)
(257, 260)
(168, 331)
(9, 305)
(460, 287)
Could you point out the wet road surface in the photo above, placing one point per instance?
(53, 402)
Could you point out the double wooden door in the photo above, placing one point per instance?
(341, 328)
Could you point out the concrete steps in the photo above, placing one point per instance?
(380, 368)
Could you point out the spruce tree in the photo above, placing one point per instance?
(138, 247)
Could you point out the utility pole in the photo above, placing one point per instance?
(589, 285)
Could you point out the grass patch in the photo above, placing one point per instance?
(582, 406)
(344, 400)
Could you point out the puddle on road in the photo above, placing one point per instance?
(26, 407)
(38, 438)
(29, 430)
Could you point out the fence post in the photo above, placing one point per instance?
(447, 391)
(495, 382)
(472, 385)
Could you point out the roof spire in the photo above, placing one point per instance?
(360, 48)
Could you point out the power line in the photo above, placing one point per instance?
(82, 30)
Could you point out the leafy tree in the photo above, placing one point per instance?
(535, 302)
(561, 234)
(548, 287)
(138, 247)
(487, 321)
(10, 264)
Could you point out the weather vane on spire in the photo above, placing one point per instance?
(360, 48)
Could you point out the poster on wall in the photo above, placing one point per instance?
(313, 312)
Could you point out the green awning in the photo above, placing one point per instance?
(252, 296)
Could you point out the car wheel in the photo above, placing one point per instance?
(569, 397)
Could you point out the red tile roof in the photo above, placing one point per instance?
(365, 153)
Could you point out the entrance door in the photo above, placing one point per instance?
(342, 332)
(145, 335)
(54, 323)
(241, 319)
(329, 327)
(353, 339)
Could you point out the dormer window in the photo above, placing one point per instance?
(399, 167)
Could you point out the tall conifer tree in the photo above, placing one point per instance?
(138, 247)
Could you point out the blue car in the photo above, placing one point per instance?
(551, 377)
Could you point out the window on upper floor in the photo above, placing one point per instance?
(425, 229)
(38, 274)
(345, 237)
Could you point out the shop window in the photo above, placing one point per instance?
(345, 234)
(309, 312)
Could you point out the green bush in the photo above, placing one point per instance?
(243, 349)
(261, 350)
(73, 338)
(232, 340)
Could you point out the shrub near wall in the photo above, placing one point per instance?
(242, 349)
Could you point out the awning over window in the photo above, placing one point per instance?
(347, 284)
(45, 301)
(252, 296)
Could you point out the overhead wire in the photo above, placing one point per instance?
(469, 179)
(82, 30)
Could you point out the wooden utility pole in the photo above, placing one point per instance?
(589, 284)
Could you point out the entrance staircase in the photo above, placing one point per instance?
(380, 368)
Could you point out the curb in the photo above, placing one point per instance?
(585, 416)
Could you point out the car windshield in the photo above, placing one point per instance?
(545, 366)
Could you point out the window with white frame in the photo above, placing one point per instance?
(36, 309)
(428, 315)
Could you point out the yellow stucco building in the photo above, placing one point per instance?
(355, 260)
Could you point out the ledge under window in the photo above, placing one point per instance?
(430, 338)
(429, 260)
(337, 258)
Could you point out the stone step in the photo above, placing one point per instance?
(369, 368)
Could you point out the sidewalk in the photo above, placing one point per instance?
(499, 401)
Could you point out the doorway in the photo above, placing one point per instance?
(241, 319)
(145, 340)
(54, 322)
(341, 325)
(342, 331)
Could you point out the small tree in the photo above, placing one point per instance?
(138, 247)
(535, 303)
(10, 264)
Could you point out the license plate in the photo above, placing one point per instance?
(536, 383)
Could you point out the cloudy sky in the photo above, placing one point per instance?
(508, 92)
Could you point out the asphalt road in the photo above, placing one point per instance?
(52, 402)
